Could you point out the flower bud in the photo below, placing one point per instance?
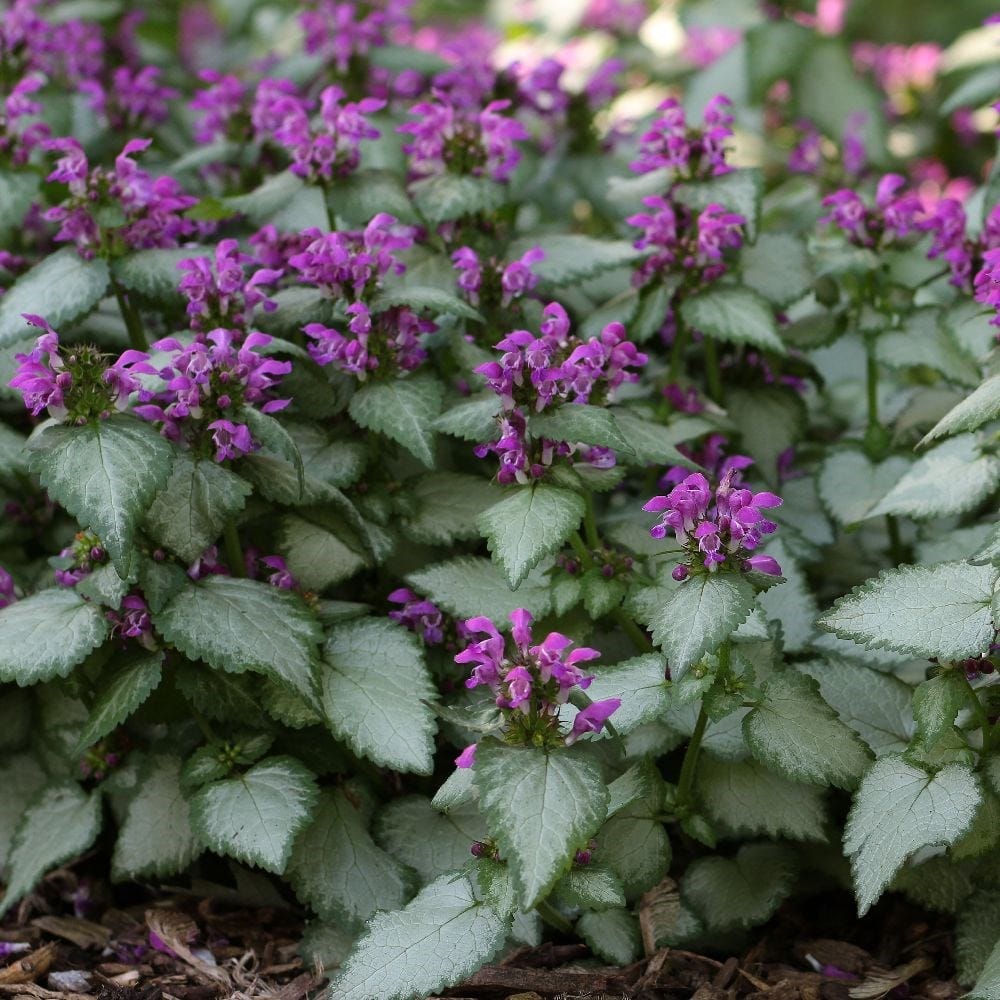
(680, 573)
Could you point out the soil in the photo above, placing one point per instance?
(80, 940)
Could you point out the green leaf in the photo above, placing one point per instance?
(21, 777)
(272, 434)
(338, 869)
(156, 838)
(875, 705)
(936, 704)
(374, 687)
(571, 257)
(981, 407)
(473, 420)
(745, 799)
(941, 610)
(649, 443)
(976, 934)
(975, 90)
(403, 409)
(988, 984)
(239, 625)
(442, 507)
(898, 809)
(361, 196)
(120, 695)
(589, 887)
(640, 684)
(600, 595)
(775, 50)
(316, 555)
(274, 194)
(106, 475)
(950, 479)
(737, 315)
(440, 938)
(154, 272)
(46, 635)
(925, 341)
(424, 298)
(453, 196)
(12, 458)
(739, 190)
(18, 189)
(851, 486)
(796, 733)
(468, 584)
(541, 807)
(431, 842)
(579, 423)
(777, 266)
(63, 285)
(190, 512)
(256, 817)
(634, 844)
(105, 586)
(770, 419)
(612, 935)
(792, 604)
(61, 822)
(742, 891)
(938, 884)
(700, 615)
(529, 523)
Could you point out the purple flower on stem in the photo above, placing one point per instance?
(231, 440)
(467, 758)
(671, 144)
(418, 615)
(592, 719)
(7, 593)
(987, 283)
(132, 621)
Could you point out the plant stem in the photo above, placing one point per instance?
(552, 916)
(681, 338)
(712, 373)
(871, 372)
(639, 638)
(590, 522)
(980, 711)
(234, 552)
(203, 724)
(133, 321)
(895, 542)
(690, 764)
(582, 552)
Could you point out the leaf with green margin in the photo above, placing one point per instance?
(792, 604)
(402, 409)
(256, 817)
(988, 984)
(106, 475)
(154, 272)
(156, 838)
(898, 809)
(579, 423)
(941, 610)
(541, 807)
(374, 688)
(160, 581)
(239, 625)
(874, 704)
(13, 460)
(745, 799)
(793, 731)
(475, 419)
(63, 284)
(981, 407)
(46, 635)
(468, 584)
(936, 704)
(735, 315)
(432, 842)
(777, 266)
(649, 442)
(121, 694)
(700, 615)
(976, 934)
(62, 821)
(635, 845)
(739, 190)
(454, 196)
(571, 257)
(440, 938)
(442, 507)
(105, 586)
(612, 935)
(948, 480)
(938, 884)
(742, 891)
(641, 685)
(925, 341)
(770, 419)
(272, 434)
(850, 485)
(426, 299)
(589, 887)
(316, 556)
(21, 777)
(530, 523)
(359, 197)
(338, 870)
(189, 513)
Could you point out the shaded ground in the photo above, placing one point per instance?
(175, 944)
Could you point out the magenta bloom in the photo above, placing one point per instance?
(418, 615)
(7, 595)
(231, 440)
(592, 718)
(467, 758)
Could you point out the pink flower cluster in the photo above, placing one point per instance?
(503, 282)
(670, 143)
(893, 216)
(532, 682)
(719, 528)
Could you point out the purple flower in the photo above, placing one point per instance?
(231, 440)
(671, 144)
(418, 615)
(341, 29)
(132, 621)
(467, 758)
(987, 283)
(41, 375)
(7, 593)
(620, 17)
(217, 105)
(893, 216)
(280, 576)
(518, 278)
(592, 718)
(763, 564)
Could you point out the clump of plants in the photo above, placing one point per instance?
(474, 490)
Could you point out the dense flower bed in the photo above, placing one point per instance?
(478, 480)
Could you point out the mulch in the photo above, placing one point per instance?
(173, 944)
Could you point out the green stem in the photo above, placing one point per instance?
(895, 542)
(590, 522)
(234, 552)
(582, 552)
(678, 349)
(686, 780)
(203, 724)
(712, 373)
(552, 916)
(980, 712)
(133, 321)
(872, 384)
(639, 638)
